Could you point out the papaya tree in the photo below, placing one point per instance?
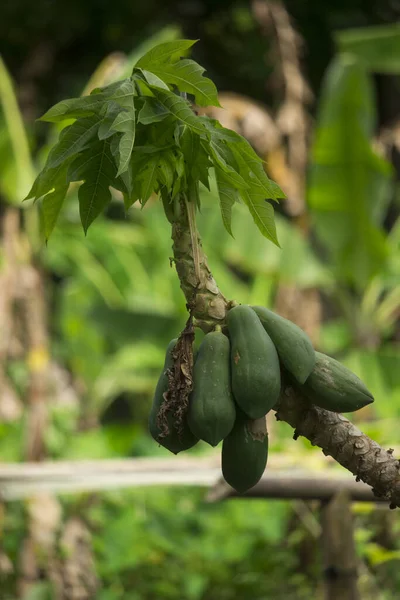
(142, 136)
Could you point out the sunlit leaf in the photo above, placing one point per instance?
(75, 107)
(187, 75)
(163, 53)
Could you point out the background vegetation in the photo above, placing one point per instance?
(85, 321)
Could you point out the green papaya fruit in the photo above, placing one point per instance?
(212, 411)
(245, 453)
(256, 378)
(293, 345)
(174, 442)
(333, 386)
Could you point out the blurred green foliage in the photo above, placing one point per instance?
(115, 304)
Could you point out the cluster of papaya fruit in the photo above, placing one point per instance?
(237, 381)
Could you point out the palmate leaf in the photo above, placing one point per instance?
(187, 75)
(152, 112)
(228, 195)
(96, 168)
(105, 131)
(166, 169)
(152, 79)
(51, 185)
(251, 168)
(222, 157)
(95, 103)
(125, 123)
(140, 137)
(75, 107)
(47, 180)
(195, 156)
(262, 212)
(148, 178)
(124, 94)
(180, 108)
(163, 53)
(73, 139)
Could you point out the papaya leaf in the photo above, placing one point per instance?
(228, 195)
(51, 207)
(166, 169)
(48, 179)
(105, 131)
(252, 170)
(96, 167)
(261, 211)
(148, 177)
(222, 157)
(124, 94)
(152, 112)
(125, 123)
(187, 75)
(189, 142)
(236, 150)
(163, 53)
(153, 79)
(73, 139)
(196, 157)
(217, 131)
(51, 185)
(75, 107)
(180, 108)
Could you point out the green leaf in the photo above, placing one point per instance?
(17, 133)
(73, 139)
(97, 169)
(148, 178)
(187, 75)
(166, 168)
(46, 181)
(348, 182)
(75, 107)
(105, 131)
(222, 157)
(261, 211)
(228, 195)
(252, 170)
(125, 123)
(51, 207)
(189, 142)
(378, 48)
(196, 156)
(56, 182)
(233, 149)
(163, 53)
(153, 80)
(180, 108)
(124, 94)
(152, 112)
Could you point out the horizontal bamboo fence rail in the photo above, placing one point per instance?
(23, 480)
